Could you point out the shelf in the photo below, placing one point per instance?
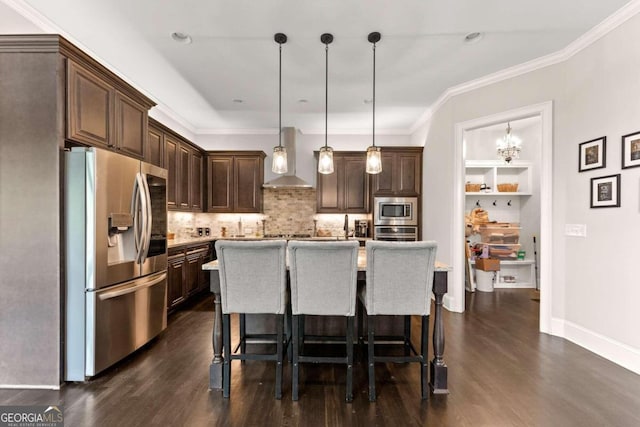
(521, 269)
(498, 194)
(492, 173)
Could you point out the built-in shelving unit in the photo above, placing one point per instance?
(491, 173)
(504, 206)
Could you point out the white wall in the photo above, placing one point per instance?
(594, 93)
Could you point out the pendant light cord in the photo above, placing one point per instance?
(326, 91)
(280, 97)
(373, 132)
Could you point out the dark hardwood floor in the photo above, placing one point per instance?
(502, 373)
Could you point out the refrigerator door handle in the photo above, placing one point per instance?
(148, 216)
(116, 293)
(139, 207)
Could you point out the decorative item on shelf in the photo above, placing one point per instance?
(509, 146)
(279, 164)
(508, 187)
(325, 159)
(374, 159)
(471, 188)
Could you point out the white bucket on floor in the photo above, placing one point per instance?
(484, 280)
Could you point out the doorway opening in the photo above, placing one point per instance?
(526, 209)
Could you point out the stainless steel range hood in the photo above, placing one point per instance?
(288, 180)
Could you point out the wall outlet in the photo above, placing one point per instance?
(575, 230)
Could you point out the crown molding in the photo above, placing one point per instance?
(587, 39)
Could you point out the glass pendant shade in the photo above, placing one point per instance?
(279, 164)
(325, 160)
(374, 160)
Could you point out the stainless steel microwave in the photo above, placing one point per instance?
(395, 211)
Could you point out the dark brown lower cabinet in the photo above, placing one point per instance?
(185, 275)
(175, 279)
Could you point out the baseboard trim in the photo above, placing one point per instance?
(29, 387)
(615, 351)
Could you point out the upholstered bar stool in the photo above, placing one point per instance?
(399, 281)
(323, 279)
(253, 279)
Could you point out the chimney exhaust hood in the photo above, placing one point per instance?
(288, 180)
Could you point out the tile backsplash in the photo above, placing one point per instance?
(285, 211)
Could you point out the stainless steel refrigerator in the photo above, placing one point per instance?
(115, 258)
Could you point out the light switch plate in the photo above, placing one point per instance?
(575, 230)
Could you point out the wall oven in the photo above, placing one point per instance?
(395, 211)
(395, 219)
(396, 233)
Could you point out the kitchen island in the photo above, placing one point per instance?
(437, 367)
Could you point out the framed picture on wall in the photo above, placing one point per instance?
(592, 154)
(631, 150)
(605, 191)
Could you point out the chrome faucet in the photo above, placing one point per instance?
(346, 227)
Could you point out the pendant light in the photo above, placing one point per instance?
(325, 159)
(279, 164)
(374, 159)
(509, 146)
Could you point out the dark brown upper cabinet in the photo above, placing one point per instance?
(401, 172)
(171, 163)
(196, 180)
(104, 114)
(155, 146)
(90, 107)
(346, 190)
(234, 181)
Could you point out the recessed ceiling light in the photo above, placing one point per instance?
(181, 37)
(238, 101)
(473, 37)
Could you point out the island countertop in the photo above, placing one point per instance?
(362, 263)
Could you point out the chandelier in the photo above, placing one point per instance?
(509, 146)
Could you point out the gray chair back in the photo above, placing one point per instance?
(323, 277)
(253, 276)
(399, 277)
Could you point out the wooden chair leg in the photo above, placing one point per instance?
(424, 353)
(279, 357)
(296, 351)
(350, 321)
(226, 365)
(370, 358)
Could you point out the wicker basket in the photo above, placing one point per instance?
(471, 188)
(508, 188)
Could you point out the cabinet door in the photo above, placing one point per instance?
(131, 126)
(383, 182)
(184, 174)
(248, 177)
(330, 191)
(90, 107)
(176, 281)
(196, 180)
(355, 184)
(407, 177)
(193, 269)
(155, 147)
(171, 162)
(219, 184)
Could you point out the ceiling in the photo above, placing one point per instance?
(234, 58)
